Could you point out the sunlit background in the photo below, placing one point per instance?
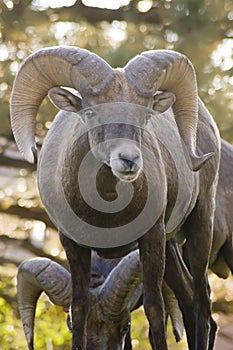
(117, 31)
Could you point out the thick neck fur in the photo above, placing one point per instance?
(105, 185)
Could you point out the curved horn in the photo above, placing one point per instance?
(44, 69)
(34, 277)
(119, 288)
(169, 70)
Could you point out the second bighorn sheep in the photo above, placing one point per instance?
(152, 81)
(221, 256)
(115, 291)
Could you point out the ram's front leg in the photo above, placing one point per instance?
(152, 253)
(180, 281)
(79, 259)
(199, 228)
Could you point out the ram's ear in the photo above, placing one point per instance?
(65, 100)
(162, 101)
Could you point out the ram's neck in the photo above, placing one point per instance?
(100, 189)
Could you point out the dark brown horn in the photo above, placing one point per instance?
(44, 69)
(171, 71)
(121, 284)
(34, 277)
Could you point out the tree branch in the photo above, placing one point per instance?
(11, 157)
(27, 245)
(23, 15)
(32, 213)
(94, 14)
(16, 162)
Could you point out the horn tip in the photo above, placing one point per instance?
(29, 336)
(178, 333)
(34, 153)
(199, 161)
(30, 155)
(30, 344)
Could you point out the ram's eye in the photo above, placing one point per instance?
(145, 119)
(125, 328)
(148, 116)
(89, 113)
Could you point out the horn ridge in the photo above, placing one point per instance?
(53, 66)
(35, 276)
(172, 71)
(121, 284)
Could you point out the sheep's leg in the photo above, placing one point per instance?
(228, 252)
(152, 253)
(128, 341)
(199, 232)
(180, 281)
(79, 259)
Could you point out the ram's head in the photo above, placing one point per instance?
(97, 83)
(115, 291)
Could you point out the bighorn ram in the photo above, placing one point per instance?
(115, 290)
(37, 275)
(118, 132)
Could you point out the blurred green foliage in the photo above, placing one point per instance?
(50, 330)
(50, 325)
(140, 333)
(51, 322)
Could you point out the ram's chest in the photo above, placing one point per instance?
(104, 201)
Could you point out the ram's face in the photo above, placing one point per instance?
(118, 146)
(108, 333)
(115, 131)
(114, 128)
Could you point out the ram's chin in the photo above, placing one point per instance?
(126, 176)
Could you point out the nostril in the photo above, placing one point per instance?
(129, 164)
